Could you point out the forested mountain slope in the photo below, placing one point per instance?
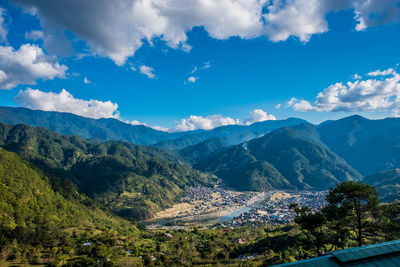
(370, 146)
(31, 200)
(134, 181)
(387, 183)
(291, 157)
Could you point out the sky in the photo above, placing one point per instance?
(179, 65)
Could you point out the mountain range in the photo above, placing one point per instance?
(113, 129)
(287, 158)
(113, 166)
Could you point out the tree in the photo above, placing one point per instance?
(314, 223)
(353, 207)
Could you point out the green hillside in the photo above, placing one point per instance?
(29, 199)
(195, 153)
(285, 158)
(133, 181)
(387, 183)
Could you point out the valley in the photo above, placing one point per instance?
(203, 206)
(215, 207)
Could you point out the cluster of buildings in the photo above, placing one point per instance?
(276, 210)
(206, 199)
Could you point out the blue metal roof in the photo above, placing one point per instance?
(382, 254)
(374, 250)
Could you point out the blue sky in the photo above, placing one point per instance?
(239, 68)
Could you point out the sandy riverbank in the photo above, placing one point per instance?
(177, 216)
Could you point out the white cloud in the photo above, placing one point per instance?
(207, 123)
(300, 105)
(206, 65)
(26, 65)
(194, 70)
(357, 77)
(278, 106)
(300, 18)
(192, 79)
(258, 115)
(212, 121)
(3, 29)
(148, 71)
(158, 128)
(86, 81)
(66, 102)
(381, 72)
(381, 93)
(117, 30)
(132, 67)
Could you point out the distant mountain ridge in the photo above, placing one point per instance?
(70, 124)
(370, 146)
(290, 157)
(113, 129)
(232, 134)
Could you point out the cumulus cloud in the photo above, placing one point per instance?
(3, 29)
(212, 121)
(278, 106)
(66, 102)
(117, 30)
(300, 105)
(380, 93)
(148, 71)
(300, 18)
(26, 65)
(258, 115)
(207, 123)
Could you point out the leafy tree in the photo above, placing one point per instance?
(354, 208)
